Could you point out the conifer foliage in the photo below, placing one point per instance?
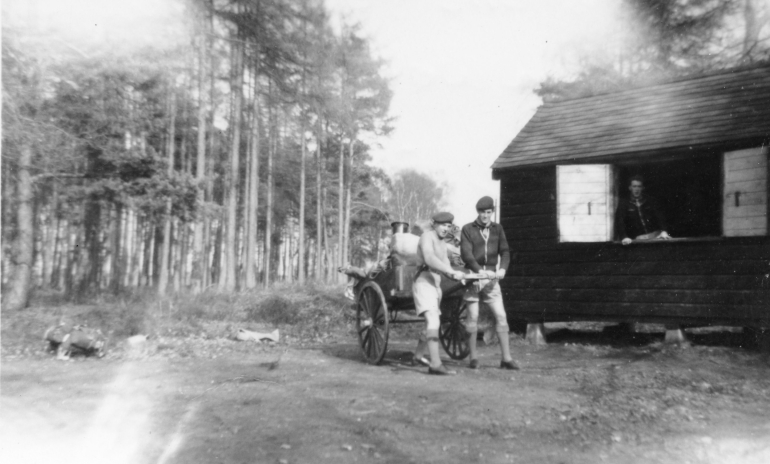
(231, 158)
(660, 40)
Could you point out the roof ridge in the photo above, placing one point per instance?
(710, 108)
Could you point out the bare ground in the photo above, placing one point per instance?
(587, 397)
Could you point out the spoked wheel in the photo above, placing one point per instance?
(452, 332)
(372, 323)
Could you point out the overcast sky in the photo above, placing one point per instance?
(463, 73)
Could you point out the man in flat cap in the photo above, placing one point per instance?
(433, 263)
(483, 241)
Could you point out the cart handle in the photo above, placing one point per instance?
(468, 279)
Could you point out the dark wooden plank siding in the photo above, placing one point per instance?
(670, 282)
(717, 281)
(642, 312)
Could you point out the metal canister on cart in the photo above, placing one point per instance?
(399, 228)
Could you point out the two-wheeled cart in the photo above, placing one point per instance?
(385, 300)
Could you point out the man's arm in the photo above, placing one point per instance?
(504, 251)
(431, 252)
(466, 250)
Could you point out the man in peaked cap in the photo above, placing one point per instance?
(483, 241)
(433, 263)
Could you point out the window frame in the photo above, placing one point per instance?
(614, 195)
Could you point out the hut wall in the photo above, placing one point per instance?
(720, 281)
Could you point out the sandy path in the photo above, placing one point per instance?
(572, 403)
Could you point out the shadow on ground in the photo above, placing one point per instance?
(619, 336)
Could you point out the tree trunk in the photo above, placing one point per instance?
(216, 266)
(56, 261)
(327, 236)
(327, 233)
(88, 264)
(253, 203)
(289, 253)
(62, 258)
(73, 238)
(148, 237)
(319, 206)
(116, 277)
(301, 245)
(8, 214)
(17, 296)
(166, 248)
(348, 188)
(132, 249)
(157, 255)
(198, 262)
(210, 247)
(228, 281)
(269, 204)
(341, 210)
(51, 239)
(178, 251)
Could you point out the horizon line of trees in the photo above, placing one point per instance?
(233, 161)
(661, 40)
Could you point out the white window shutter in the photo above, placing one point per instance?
(744, 207)
(585, 207)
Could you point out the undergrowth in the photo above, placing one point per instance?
(303, 312)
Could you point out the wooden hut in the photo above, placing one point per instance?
(702, 146)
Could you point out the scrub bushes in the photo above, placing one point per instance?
(304, 313)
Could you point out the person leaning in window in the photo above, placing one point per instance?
(481, 243)
(639, 216)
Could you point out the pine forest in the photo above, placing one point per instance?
(236, 158)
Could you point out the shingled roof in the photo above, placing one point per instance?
(714, 109)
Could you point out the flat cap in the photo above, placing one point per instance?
(485, 203)
(443, 217)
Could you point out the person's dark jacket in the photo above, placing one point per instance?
(632, 220)
(479, 254)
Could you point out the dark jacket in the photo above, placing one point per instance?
(632, 220)
(478, 253)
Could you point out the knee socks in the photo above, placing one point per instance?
(435, 359)
(421, 344)
(503, 335)
(473, 330)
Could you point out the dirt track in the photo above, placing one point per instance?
(581, 399)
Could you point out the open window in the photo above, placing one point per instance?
(688, 192)
(707, 194)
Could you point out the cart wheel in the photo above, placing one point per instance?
(372, 322)
(452, 332)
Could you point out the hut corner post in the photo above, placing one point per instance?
(675, 334)
(536, 334)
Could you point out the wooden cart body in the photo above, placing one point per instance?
(384, 299)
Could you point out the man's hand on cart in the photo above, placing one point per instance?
(500, 273)
(458, 275)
